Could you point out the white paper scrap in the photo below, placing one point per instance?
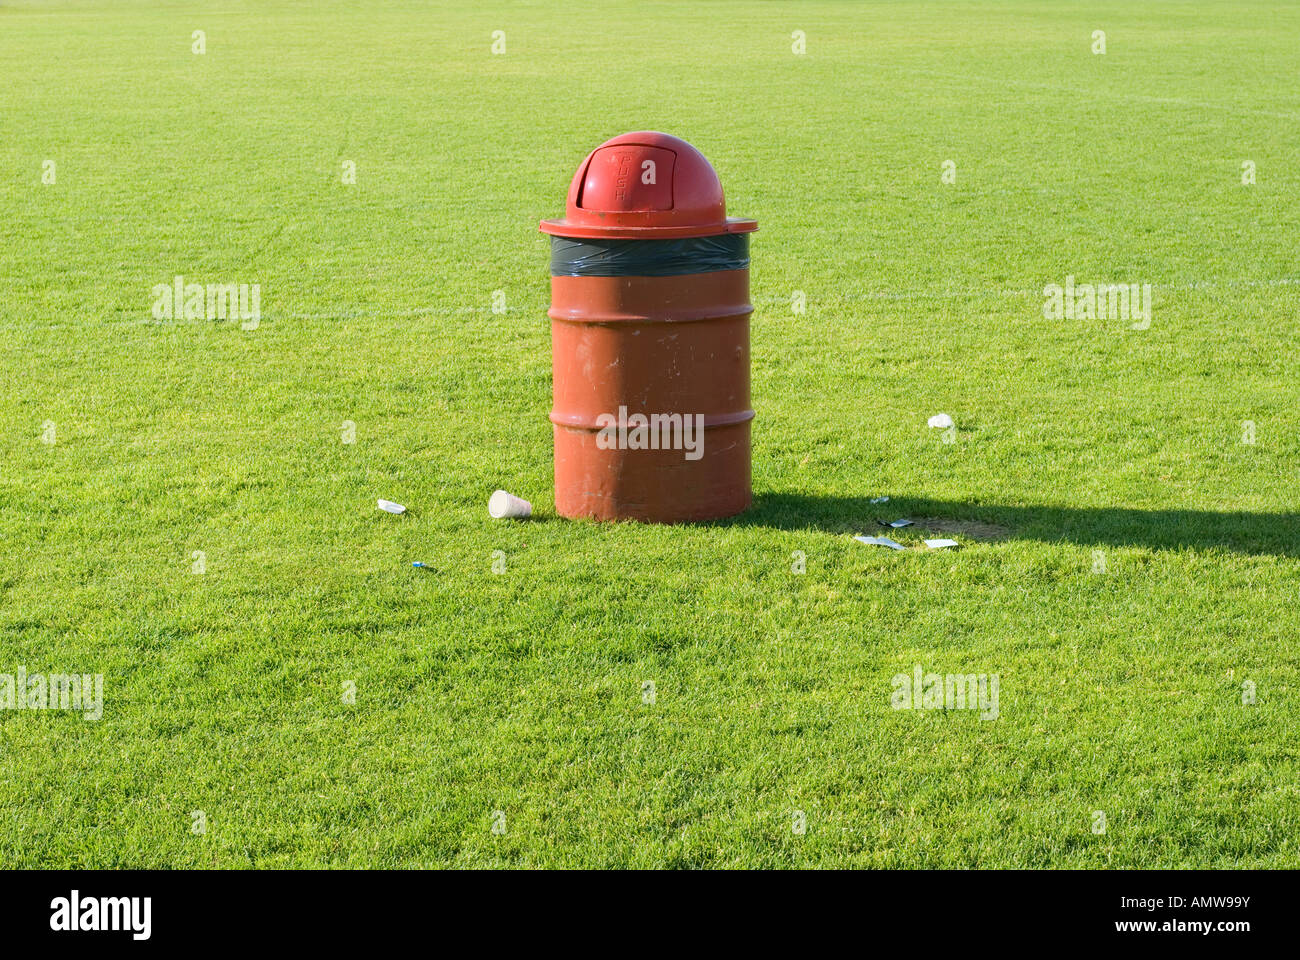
(391, 507)
(940, 544)
(880, 542)
(940, 420)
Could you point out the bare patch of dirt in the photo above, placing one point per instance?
(973, 529)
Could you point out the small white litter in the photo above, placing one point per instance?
(880, 542)
(940, 420)
(879, 499)
(940, 544)
(896, 524)
(502, 505)
(391, 507)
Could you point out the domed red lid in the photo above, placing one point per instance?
(646, 185)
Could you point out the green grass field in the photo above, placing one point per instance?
(500, 718)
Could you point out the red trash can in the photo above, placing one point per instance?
(650, 338)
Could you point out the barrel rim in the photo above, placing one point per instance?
(561, 227)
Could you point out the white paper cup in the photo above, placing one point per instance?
(502, 505)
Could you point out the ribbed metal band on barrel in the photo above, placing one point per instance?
(573, 257)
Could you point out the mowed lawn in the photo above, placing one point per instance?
(628, 695)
